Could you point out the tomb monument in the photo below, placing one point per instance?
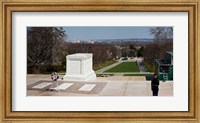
(79, 67)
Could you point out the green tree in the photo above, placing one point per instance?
(140, 52)
(132, 50)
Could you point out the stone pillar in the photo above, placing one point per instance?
(79, 67)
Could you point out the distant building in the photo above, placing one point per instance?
(138, 47)
(164, 67)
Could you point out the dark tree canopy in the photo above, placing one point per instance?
(42, 44)
(101, 52)
(162, 33)
(163, 41)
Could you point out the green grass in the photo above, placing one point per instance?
(125, 67)
(149, 75)
(99, 66)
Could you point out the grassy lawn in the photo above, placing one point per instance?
(125, 67)
(149, 75)
(99, 66)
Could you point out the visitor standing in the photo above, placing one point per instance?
(155, 85)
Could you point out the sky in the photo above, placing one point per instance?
(107, 32)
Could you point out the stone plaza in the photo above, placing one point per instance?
(80, 79)
(38, 85)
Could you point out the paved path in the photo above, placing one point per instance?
(141, 66)
(103, 86)
(107, 67)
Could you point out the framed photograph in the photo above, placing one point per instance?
(105, 61)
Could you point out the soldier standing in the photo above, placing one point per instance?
(154, 85)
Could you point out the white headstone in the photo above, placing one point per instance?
(79, 67)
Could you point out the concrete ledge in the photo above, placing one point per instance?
(88, 77)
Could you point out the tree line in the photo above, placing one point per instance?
(163, 41)
(47, 49)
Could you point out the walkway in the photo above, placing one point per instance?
(103, 86)
(141, 66)
(107, 67)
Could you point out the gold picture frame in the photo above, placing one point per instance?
(9, 6)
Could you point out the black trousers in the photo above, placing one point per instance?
(155, 93)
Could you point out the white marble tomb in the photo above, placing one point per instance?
(79, 67)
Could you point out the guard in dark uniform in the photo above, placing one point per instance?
(154, 85)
